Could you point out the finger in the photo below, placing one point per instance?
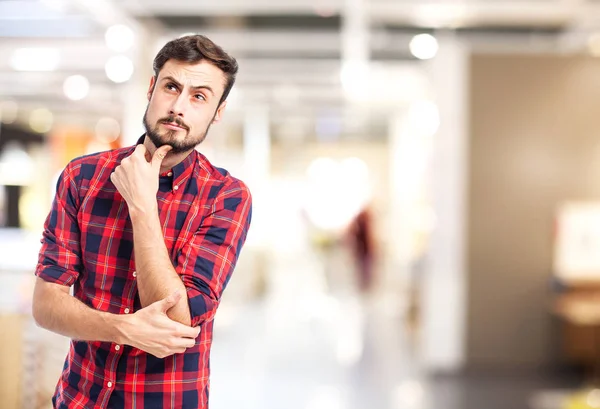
(183, 343)
(140, 150)
(184, 331)
(159, 155)
(113, 178)
(165, 304)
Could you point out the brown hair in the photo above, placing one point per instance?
(196, 48)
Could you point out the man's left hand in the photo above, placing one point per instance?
(136, 178)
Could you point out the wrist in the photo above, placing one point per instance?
(119, 326)
(142, 212)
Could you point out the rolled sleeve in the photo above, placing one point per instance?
(207, 261)
(60, 255)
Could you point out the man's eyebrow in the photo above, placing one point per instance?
(206, 87)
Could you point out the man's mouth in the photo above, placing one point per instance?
(174, 126)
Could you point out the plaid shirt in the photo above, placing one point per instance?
(88, 242)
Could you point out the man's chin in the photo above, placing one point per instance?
(156, 140)
(175, 148)
(170, 138)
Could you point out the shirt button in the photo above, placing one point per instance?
(170, 174)
(126, 310)
(109, 384)
(175, 187)
(135, 274)
(117, 347)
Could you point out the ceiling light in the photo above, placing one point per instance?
(15, 157)
(76, 87)
(424, 117)
(424, 46)
(40, 120)
(119, 38)
(119, 68)
(107, 130)
(35, 59)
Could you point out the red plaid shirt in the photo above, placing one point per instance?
(88, 242)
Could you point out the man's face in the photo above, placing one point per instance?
(182, 104)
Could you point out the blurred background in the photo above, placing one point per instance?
(426, 228)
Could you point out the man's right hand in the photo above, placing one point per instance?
(152, 331)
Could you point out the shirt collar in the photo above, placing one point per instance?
(180, 172)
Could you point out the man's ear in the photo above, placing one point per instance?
(219, 113)
(151, 87)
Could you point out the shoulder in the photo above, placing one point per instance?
(87, 166)
(223, 183)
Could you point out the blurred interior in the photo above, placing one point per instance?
(426, 227)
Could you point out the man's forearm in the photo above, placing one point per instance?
(60, 312)
(156, 277)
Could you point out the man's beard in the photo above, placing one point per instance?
(169, 137)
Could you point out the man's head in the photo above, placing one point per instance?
(192, 79)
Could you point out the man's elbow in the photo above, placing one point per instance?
(181, 314)
(45, 297)
(38, 311)
(196, 310)
(181, 319)
(38, 308)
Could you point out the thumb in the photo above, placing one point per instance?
(159, 155)
(166, 303)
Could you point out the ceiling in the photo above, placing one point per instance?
(290, 52)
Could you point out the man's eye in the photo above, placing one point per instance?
(200, 97)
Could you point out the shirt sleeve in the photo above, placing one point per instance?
(59, 260)
(206, 262)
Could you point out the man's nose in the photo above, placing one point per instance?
(178, 107)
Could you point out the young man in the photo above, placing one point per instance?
(148, 236)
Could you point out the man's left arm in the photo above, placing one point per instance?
(204, 265)
(206, 262)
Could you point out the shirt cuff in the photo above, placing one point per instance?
(199, 310)
(56, 275)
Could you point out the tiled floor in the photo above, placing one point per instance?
(338, 352)
(271, 356)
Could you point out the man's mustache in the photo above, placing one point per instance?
(175, 120)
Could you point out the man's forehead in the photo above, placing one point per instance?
(194, 74)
